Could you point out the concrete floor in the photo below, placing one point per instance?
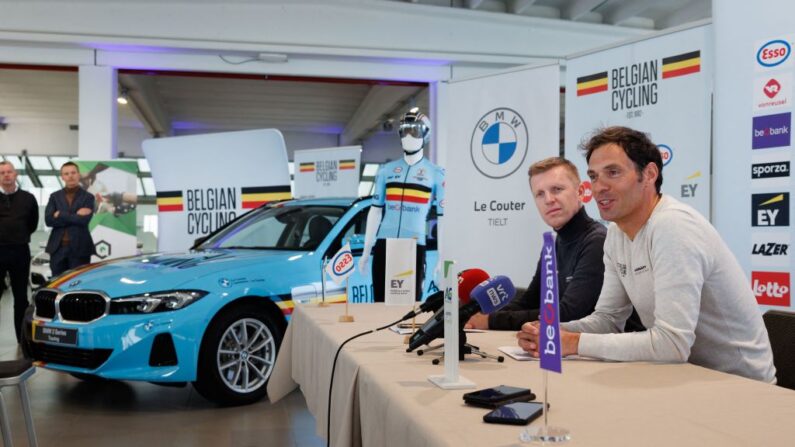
(70, 412)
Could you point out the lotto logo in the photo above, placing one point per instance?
(771, 288)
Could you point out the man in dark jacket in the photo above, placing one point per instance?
(19, 217)
(68, 212)
(555, 185)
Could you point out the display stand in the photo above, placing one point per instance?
(323, 303)
(451, 380)
(346, 318)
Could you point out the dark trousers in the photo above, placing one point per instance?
(65, 259)
(379, 270)
(15, 260)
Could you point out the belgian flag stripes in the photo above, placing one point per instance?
(407, 192)
(681, 64)
(347, 164)
(590, 84)
(169, 201)
(254, 196)
(306, 167)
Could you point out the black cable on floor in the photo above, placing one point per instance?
(334, 367)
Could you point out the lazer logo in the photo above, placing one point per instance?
(771, 288)
(770, 210)
(770, 249)
(770, 170)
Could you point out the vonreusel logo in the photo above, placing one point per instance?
(773, 53)
(499, 143)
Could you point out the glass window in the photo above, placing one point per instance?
(40, 162)
(57, 162)
(281, 228)
(139, 188)
(370, 170)
(291, 168)
(50, 181)
(15, 161)
(365, 188)
(149, 186)
(24, 182)
(143, 165)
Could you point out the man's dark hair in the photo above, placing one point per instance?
(636, 145)
(70, 163)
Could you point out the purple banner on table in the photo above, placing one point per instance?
(549, 338)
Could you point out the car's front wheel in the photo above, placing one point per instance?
(237, 356)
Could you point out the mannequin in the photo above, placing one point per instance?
(404, 193)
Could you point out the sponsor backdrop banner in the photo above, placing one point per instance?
(205, 181)
(753, 122)
(661, 86)
(113, 226)
(329, 172)
(496, 127)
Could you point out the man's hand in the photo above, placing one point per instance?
(528, 338)
(478, 321)
(57, 213)
(84, 212)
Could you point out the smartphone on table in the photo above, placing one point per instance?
(516, 413)
(498, 395)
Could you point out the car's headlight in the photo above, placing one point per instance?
(155, 302)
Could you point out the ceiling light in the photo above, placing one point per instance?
(272, 57)
(123, 97)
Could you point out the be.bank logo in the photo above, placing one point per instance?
(771, 288)
(770, 210)
(771, 131)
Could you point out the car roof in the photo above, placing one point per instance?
(328, 201)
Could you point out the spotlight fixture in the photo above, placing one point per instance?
(123, 97)
(272, 57)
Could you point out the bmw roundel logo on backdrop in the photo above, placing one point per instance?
(499, 143)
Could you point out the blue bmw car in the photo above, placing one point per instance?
(213, 316)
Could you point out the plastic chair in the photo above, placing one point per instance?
(15, 373)
(781, 330)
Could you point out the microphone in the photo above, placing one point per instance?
(467, 280)
(487, 297)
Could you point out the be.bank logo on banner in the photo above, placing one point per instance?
(771, 92)
(771, 131)
(771, 288)
(499, 143)
(774, 53)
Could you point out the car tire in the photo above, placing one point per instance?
(237, 356)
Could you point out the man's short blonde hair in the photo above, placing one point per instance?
(547, 164)
(6, 162)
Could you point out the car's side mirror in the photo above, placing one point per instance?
(199, 240)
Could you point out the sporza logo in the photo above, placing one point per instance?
(772, 53)
(771, 288)
(499, 143)
(770, 170)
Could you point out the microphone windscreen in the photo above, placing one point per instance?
(494, 293)
(467, 281)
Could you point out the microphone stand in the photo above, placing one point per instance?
(463, 349)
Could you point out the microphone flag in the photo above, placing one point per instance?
(549, 338)
(341, 265)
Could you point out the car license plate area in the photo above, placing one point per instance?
(49, 334)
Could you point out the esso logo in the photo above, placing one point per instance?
(773, 53)
(666, 153)
(343, 263)
(586, 191)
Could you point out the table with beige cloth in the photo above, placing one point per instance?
(382, 397)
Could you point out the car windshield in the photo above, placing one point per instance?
(278, 228)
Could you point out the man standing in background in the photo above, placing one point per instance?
(68, 212)
(19, 217)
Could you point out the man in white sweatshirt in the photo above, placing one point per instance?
(668, 261)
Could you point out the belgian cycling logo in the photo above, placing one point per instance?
(499, 143)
